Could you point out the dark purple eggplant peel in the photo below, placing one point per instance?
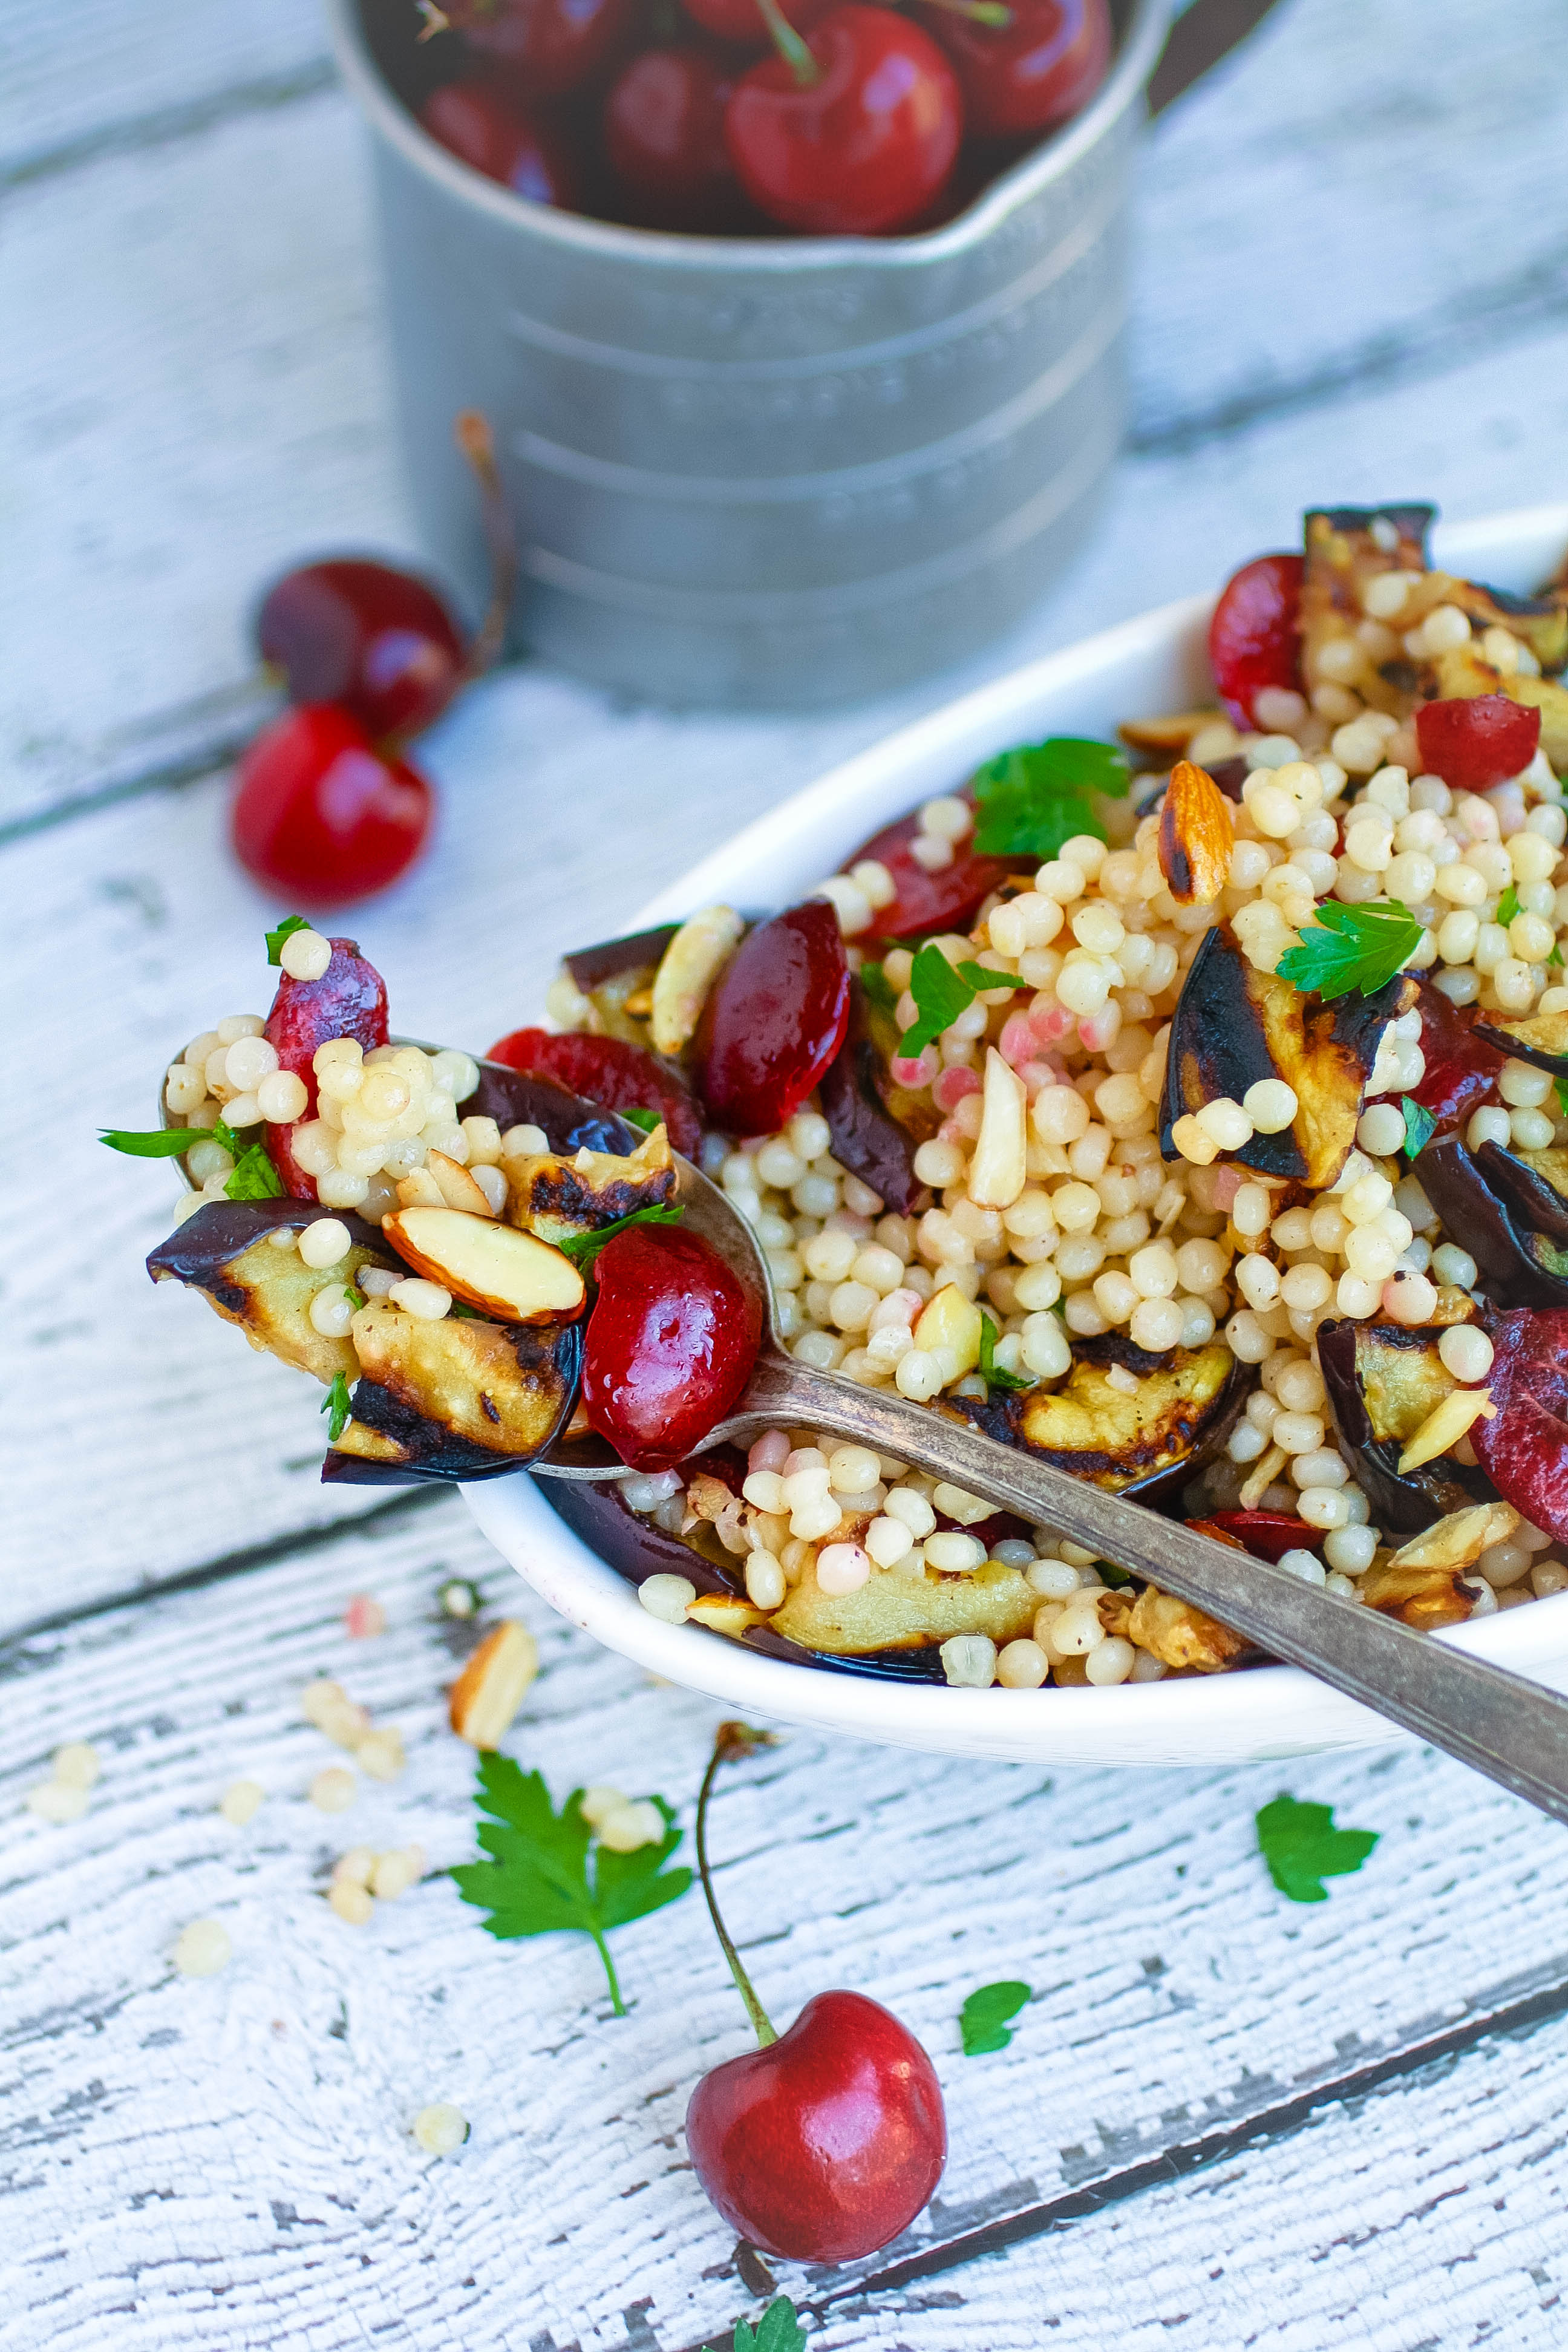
(1505, 1210)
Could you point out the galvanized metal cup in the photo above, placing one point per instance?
(764, 472)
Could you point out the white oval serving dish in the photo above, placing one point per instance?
(1155, 663)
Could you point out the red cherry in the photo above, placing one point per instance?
(664, 134)
(827, 2144)
(1525, 1451)
(775, 1021)
(377, 640)
(473, 121)
(947, 900)
(669, 1345)
(742, 20)
(544, 47)
(611, 1072)
(1254, 636)
(1267, 1534)
(348, 1000)
(863, 148)
(1477, 741)
(1461, 1068)
(321, 815)
(1031, 74)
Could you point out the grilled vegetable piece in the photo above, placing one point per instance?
(1539, 622)
(451, 1393)
(1146, 1441)
(1423, 1581)
(223, 1249)
(1346, 547)
(571, 1123)
(1525, 1450)
(553, 1197)
(639, 951)
(902, 1612)
(1234, 1025)
(1540, 1038)
(1508, 1208)
(1462, 672)
(876, 1126)
(1383, 1379)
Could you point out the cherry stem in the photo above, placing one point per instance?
(731, 1741)
(436, 21)
(979, 12)
(475, 439)
(790, 46)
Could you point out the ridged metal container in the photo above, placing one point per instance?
(764, 472)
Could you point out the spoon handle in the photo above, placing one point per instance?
(1511, 1729)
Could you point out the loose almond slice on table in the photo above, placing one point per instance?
(489, 1265)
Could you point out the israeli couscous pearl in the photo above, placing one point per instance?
(240, 1803)
(427, 1300)
(667, 1597)
(203, 1948)
(440, 2129)
(305, 955)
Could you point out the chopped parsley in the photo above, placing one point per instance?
(1351, 946)
(286, 929)
(991, 1372)
(336, 1406)
(1418, 1126)
(1562, 1087)
(548, 1872)
(254, 1178)
(583, 1248)
(1035, 798)
(983, 2019)
(1507, 907)
(647, 1119)
(1302, 1847)
(941, 992)
(879, 990)
(165, 1142)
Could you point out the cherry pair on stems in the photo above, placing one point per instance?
(328, 810)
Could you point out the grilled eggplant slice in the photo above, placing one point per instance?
(862, 1105)
(569, 1122)
(1506, 1209)
(639, 953)
(1383, 1380)
(223, 1250)
(1345, 547)
(1234, 1025)
(554, 1198)
(1146, 1441)
(903, 1612)
(459, 1394)
(1540, 1038)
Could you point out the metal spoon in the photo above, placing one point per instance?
(1503, 1725)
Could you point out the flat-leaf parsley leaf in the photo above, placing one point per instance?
(941, 992)
(983, 2019)
(286, 930)
(647, 1119)
(1418, 1126)
(336, 1406)
(254, 1178)
(1350, 947)
(1035, 798)
(1507, 907)
(778, 2330)
(991, 1372)
(1302, 1847)
(583, 1248)
(164, 1142)
(549, 1872)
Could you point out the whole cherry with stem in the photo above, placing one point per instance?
(1026, 66)
(826, 2141)
(664, 135)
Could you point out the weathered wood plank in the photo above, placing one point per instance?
(177, 2151)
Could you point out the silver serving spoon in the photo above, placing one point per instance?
(1503, 1725)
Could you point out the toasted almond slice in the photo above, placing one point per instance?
(419, 1190)
(489, 1690)
(1172, 731)
(456, 1187)
(1459, 1540)
(1197, 836)
(1446, 1424)
(721, 1615)
(997, 1171)
(687, 969)
(490, 1264)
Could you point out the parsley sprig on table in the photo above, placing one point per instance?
(549, 1872)
(1033, 798)
(1350, 947)
(1302, 1847)
(983, 2019)
(583, 1248)
(941, 992)
(778, 2330)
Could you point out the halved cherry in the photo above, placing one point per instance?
(609, 1071)
(1461, 1068)
(1525, 1451)
(670, 1344)
(1477, 741)
(1267, 1534)
(946, 900)
(775, 1021)
(1254, 637)
(348, 1000)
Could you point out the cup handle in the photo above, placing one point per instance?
(1199, 39)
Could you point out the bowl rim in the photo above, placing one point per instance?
(1202, 1719)
(729, 257)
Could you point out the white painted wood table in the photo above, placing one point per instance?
(1224, 2121)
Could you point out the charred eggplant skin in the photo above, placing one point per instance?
(1407, 1501)
(1540, 1039)
(866, 1136)
(608, 959)
(400, 1443)
(513, 1098)
(1478, 1200)
(198, 1251)
(1234, 1025)
(222, 1250)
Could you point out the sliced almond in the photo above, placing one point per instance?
(1197, 836)
(997, 1169)
(489, 1690)
(1459, 1540)
(490, 1265)
(721, 1615)
(455, 1186)
(1446, 1424)
(419, 1190)
(687, 969)
(1172, 731)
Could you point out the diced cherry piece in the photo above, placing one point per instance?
(1461, 1070)
(322, 817)
(669, 1345)
(775, 1021)
(348, 1000)
(1525, 1451)
(609, 1071)
(1026, 76)
(377, 640)
(1254, 636)
(1477, 741)
(1267, 1534)
(477, 123)
(947, 900)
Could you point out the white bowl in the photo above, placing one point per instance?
(1155, 663)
